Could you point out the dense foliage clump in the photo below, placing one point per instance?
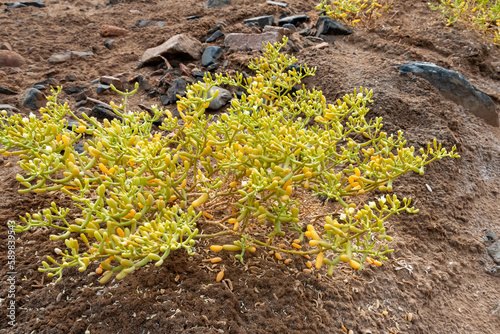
(141, 195)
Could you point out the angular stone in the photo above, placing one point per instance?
(295, 19)
(38, 4)
(33, 99)
(6, 91)
(75, 89)
(112, 31)
(251, 42)
(221, 100)
(102, 88)
(10, 59)
(260, 21)
(275, 3)
(215, 36)
(455, 87)
(178, 45)
(70, 77)
(177, 87)
(108, 81)
(109, 44)
(101, 112)
(494, 251)
(6, 46)
(328, 26)
(21, 4)
(211, 55)
(217, 3)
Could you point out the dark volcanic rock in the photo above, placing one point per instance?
(328, 26)
(177, 87)
(260, 21)
(21, 4)
(295, 19)
(211, 55)
(455, 87)
(109, 44)
(101, 112)
(6, 91)
(215, 36)
(33, 99)
(75, 89)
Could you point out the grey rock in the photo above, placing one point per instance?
(109, 44)
(38, 4)
(81, 103)
(290, 26)
(8, 107)
(33, 99)
(260, 21)
(70, 77)
(177, 87)
(221, 100)
(143, 84)
(179, 45)
(328, 26)
(79, 147)
(60, 57)
(70, 123)
(251, 42)
(101, 112)
(211, 55)
(80, 97)
(6, 91)
(494, 251)
(275, 3)
(75, 89)
(39, 87)
(214, 29)
(295, 19)
(217, 3)
(455, 87)
(143, 23)
(21, 4)
(213, 67)
(215, 36)
(490, 236)
(81, 53)
(49, 81)
(102, 88)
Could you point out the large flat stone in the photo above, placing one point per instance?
(251, 42)
(455, 87)
(178, 45)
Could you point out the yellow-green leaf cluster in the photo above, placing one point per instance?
(141, 194)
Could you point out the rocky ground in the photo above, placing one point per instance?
(442, 278)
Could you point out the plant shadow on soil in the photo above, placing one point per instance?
(438, 270)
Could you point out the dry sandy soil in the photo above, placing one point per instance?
(440, 271)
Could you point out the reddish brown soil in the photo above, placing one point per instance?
(447, 289)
